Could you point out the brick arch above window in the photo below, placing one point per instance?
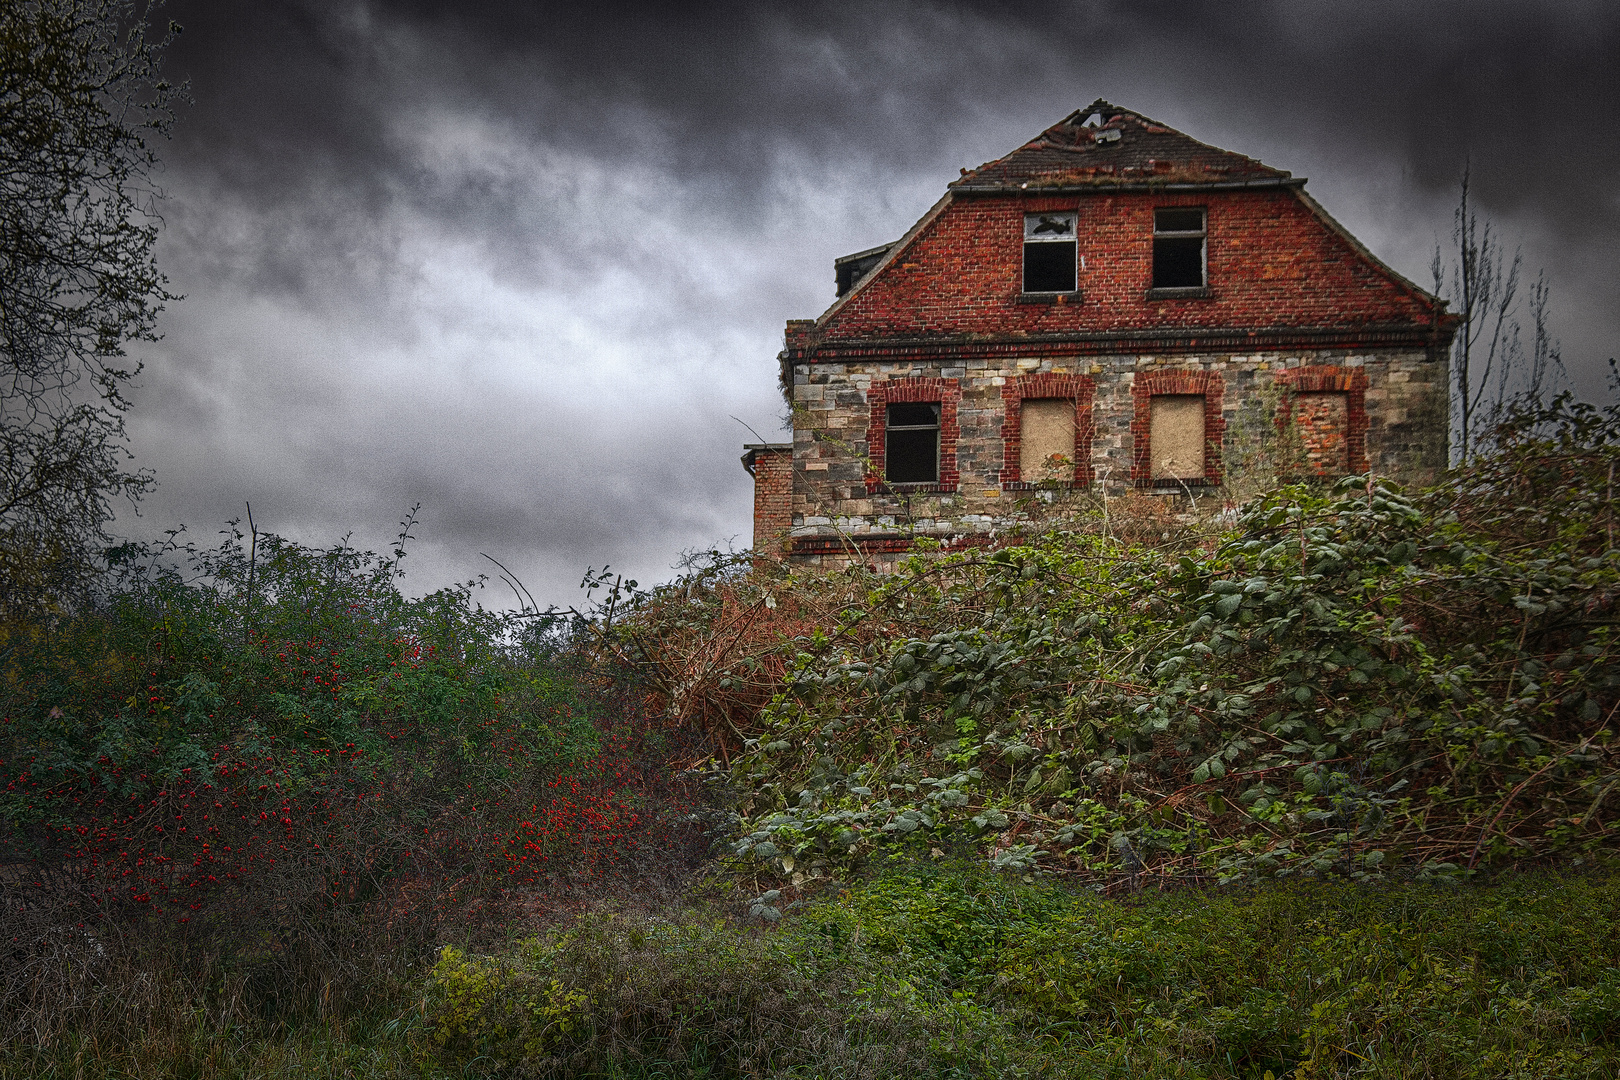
(948, 393)
(1331, 378)
(1047, 385)
(1150, 384)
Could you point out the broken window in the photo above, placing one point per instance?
(1179, 240)
(1047, 434)
(1176, 437)
(911, 443)
(1049, 252)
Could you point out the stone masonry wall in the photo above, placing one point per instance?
(840, 506)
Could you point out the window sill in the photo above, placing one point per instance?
(1064, 485)
(1049, 297)
(1200, 292)
(887, 487)
(1172, 487)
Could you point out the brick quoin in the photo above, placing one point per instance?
(1352, 382)
(948, 394)
(1081, 389)
(1149, 384)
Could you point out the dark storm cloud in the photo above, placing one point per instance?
(716, 89)
(304, 112)
(522, 262)
(300, 105)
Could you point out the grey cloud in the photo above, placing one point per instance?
(521, 261)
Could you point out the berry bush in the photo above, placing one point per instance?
(265, 753)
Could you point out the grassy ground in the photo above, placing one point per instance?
(939, 970)
(931, 971)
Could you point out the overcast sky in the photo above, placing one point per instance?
(524, 262)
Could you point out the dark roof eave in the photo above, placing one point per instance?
(1200, 338)
(1137, 185)
(880, 249)
(754, 449)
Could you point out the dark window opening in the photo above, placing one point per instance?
(1050, 251)
(1178, 249)
(1178, 221)
(911, 443)
(849, 270)
(1049, 267)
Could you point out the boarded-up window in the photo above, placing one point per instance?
(1176, 439)
(1322, 419)
(1046, 429)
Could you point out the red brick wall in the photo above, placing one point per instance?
(1144, 387)
(1352, 382)
(1081, 388)
(1272, 263)
(773, 499)
(948, 393)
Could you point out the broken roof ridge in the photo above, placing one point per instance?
(1108, 145)
(1101, 107)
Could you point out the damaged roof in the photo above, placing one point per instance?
(1105, 146)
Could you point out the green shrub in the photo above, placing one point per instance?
(266, 759)
(952, 970)
(1351, 681)
(500, 1012)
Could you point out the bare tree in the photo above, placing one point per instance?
(81, 106)
(1481, 285)
(1546, 353)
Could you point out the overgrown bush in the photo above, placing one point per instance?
(1344, 680)
(250, 791)
(265, 758)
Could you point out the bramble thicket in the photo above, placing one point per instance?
(1352, 681)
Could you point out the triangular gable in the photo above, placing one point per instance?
(1105, 150)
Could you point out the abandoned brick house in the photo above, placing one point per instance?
(1113, 303)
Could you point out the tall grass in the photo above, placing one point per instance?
(949, 970)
